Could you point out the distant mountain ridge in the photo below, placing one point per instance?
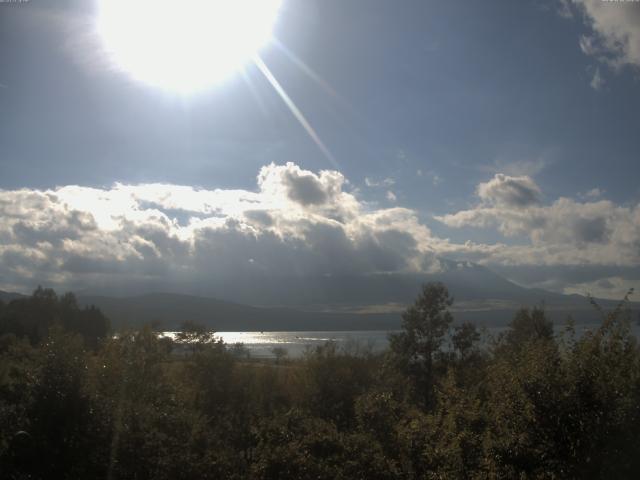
(372, 302)
(468, 283)
(168, 310)
(8, 296)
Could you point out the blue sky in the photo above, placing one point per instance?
(432, 103)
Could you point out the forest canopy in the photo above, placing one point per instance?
(444, 401)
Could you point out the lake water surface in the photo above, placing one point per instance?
(261, 344)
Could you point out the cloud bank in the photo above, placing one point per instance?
(565, 232)
(296, 223)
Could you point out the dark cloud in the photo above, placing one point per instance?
(509, 191)
(592, 230)
(308, 189)
(261, 217)
(305, 189)
(388, 251)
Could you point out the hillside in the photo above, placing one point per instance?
(8, 296)
(169, 310)
(372, 302)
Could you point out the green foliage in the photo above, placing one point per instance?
(294, 445)
(34, 316)
(60, 392)
(529, 325)
(280, 353)
(147, 429)
(131, 406)
(425, 325)
(331, 380)
(18, 364)
(465, 338)
(194, 336)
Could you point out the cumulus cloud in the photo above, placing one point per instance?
(296, 223)
(517, 168)
(614, 288)
(615, 26)
(565, 232)
(593, 193)
(602, 281)
(505, 190)
(301, 186)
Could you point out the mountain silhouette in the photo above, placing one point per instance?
(372, 302)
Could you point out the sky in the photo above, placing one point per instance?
(500, 132)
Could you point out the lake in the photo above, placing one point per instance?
(261, 344)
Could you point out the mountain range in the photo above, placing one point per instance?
(372, 302)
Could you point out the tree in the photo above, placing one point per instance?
(280, 353)
(332, 380)
(195, 336)
(88, 322)
(60, 416)
(529, 325)
(464, 339)
(34, 316)
(424, 324)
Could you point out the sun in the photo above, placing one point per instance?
(184, 45)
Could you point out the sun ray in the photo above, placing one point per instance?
(307, 70)
(340, 101)
(295, 110)
(254, 92)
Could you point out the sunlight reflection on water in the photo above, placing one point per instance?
(261, 344)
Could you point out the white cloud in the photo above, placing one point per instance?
(517, 168)
(391, 196)
(297, 223)
(592, 194)
(565, 232)
(386, 182)
(614, 288)
(588, 45)
(564, 9)
(597, 82)
(435, 178)
(505, 190)
(615, 26)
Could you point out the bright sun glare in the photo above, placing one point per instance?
(184, 45)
